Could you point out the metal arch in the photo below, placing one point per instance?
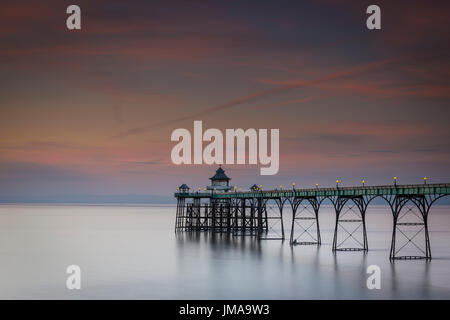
(398, 202)
(361, 203)
(315, 204)
(294, 202)
(369, 199)
(338, 201)
(437, 197)
(265, 222)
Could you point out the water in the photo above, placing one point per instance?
(131, 252)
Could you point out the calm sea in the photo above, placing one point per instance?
(132, 252)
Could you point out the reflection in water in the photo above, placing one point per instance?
(421, 276)
(220, 241)
(249, 245)
(132, 252)
(276, 269)
(349, 270)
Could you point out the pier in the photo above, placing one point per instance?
(221, 208)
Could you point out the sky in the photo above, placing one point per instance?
(90, 112)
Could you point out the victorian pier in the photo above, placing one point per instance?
(221, 208)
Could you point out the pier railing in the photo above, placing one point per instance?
(383, 190)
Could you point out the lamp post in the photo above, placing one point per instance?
(425, 180)
(317, 186)
(395, 181)
(363, 182)
(293, 186)
(337, 184)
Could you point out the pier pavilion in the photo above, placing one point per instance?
(224, 209)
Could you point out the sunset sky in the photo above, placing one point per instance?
(90, 112)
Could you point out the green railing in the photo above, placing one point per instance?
(415, 189)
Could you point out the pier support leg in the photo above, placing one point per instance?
(179, 220)
(410, 234)
(305, 217)
(247, 217)
(350, 221)
(243, 214)
(273, 226)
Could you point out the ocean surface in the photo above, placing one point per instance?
(132, 252)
